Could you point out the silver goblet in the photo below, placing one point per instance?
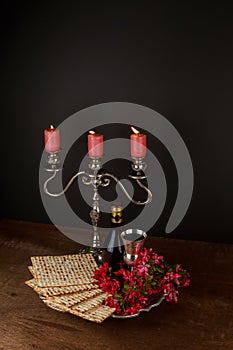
(133, 240)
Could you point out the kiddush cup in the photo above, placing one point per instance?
(133, 240)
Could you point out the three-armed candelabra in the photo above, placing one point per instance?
(97, 177)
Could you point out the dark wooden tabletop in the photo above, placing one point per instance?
(202, 318)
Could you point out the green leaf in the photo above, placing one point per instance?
(160, 270)
(150, 278)
(144, 292)
(116, 296)
(127, 287)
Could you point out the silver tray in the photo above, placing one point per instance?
(147, 308)
(51, 307)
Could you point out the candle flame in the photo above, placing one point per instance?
(51, 126)
(91, 132)
(135, 130)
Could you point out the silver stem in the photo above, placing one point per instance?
(95, 166)
(95, 212)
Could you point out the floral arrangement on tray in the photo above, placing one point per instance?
(130, 290)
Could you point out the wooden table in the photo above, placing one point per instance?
(202, 318)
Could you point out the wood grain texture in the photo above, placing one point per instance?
(202, 319)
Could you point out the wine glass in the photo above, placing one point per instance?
(133, 240)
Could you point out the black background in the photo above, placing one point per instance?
(59, 58)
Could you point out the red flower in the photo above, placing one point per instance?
(142, 269)
(128, 291)
(187, 282)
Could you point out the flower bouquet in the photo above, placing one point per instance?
(129, 291)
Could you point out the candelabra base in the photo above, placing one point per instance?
(96, 252)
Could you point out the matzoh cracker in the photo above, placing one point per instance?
(88, 304)
(74, 298)
(53, 304)
(32, 271)
(64, 270)
(96, 314)
(52, 291)
(31, 283)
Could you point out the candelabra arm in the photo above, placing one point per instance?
(66, 187)
(149, 197)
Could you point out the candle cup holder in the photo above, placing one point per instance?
(95, 163)
(53, 162)
(138, 167)
(133, 240)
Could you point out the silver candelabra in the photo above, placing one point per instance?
(97, 177)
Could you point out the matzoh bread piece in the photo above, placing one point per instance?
(64, 270)
(75, 298)
(52, 304)
(31, 283)
(88, 304)
(97, 314)
(32, 271)
(52, 291)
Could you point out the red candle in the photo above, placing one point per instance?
(138, 144)
(52, 139)
(95, 145)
